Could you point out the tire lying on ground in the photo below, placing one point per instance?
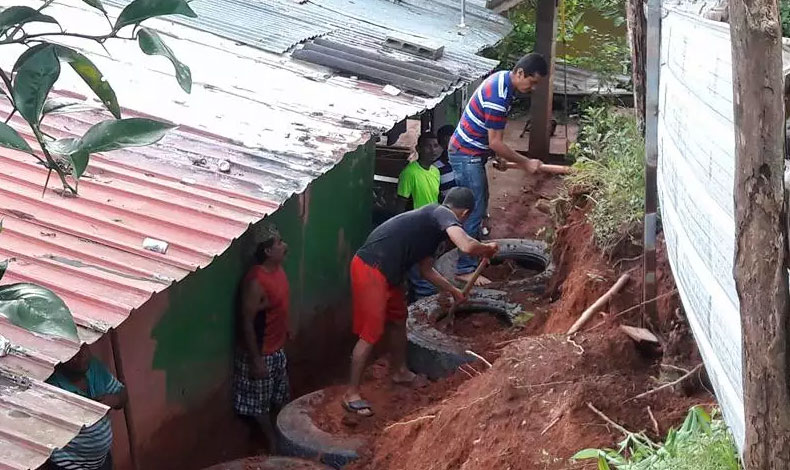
(300, 437)
(433, 352)
(534, 254)
(270, 463)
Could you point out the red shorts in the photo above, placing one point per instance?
(374, 301)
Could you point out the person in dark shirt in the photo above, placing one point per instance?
(378, 272)
(446, 174)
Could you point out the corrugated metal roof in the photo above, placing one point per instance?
(268, 25)
(89, 249)
(280, 123)
(244, 109)
(36, 418)
(416, 76)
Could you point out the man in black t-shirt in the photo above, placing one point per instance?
(378, 272)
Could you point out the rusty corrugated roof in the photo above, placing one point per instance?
(36, 418)
(89, 249)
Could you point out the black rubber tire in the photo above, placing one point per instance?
(270, 463)
(301, 438)
(437, 354)
(533, 251)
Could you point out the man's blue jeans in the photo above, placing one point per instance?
(470, 172)
(419, 287)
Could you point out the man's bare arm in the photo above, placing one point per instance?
(496, 142)
(469, 245)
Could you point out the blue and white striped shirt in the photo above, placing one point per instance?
(487, 109)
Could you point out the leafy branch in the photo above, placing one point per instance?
(28, 85)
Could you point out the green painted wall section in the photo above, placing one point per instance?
(323, 228)
(453, 108)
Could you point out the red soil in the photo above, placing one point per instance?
(530, 411)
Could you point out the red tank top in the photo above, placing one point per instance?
(277, 291)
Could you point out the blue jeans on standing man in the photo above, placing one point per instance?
(419, 287)
(470, 172)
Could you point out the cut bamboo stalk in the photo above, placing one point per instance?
(599, 304)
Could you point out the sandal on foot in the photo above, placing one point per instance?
(358, 407)
(418, 381)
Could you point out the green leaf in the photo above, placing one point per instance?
(586, 454)
(27, 54)
(33, 81)
(152, 44)
(91, 76)
(37, 309)
(9, 138)
(141, 10)
(96, 4)
(19, 15)
(79, 161)
(109, 135)
(3, 267)
(66, 105)
(69, 147)
(121, 133)
(603, 464)
(65, 146)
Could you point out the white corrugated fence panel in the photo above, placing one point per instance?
(696, 145)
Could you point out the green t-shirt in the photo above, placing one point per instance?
(419, 184)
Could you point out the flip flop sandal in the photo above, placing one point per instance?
(358, 407)
(419, 381)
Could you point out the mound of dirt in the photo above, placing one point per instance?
(389, 401)
(530, 411)
(487, 336)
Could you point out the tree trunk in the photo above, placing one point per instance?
(761, 231)
(637, 39)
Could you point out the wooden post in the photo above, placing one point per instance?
(637, 39)
(653, 69)
(542, 96)
(761, 231)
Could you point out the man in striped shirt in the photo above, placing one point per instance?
(480, 134)
(86, 376)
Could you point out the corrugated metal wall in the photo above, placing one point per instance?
(696, 144)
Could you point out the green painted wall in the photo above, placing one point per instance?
(323, 228)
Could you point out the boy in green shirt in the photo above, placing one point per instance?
(419, 181)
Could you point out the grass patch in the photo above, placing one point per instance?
(609, 162)
(702, 443)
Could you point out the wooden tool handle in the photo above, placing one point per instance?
(546, 168)
(556, 169)
(471, 283)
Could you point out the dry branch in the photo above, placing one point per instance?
(475, 355)
(551, 425)
(598, 304)
(478, 400)
(653, 420)
(595, 410)
(411, 421)
(667, 385)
